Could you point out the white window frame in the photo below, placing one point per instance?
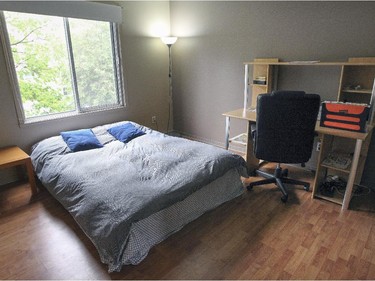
(118, 72)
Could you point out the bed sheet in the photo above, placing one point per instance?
(108, 189)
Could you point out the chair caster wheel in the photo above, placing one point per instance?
(284, 198)
(306, 187)
(284, 173)
(252, 173)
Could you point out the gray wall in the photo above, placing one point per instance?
(145, 64)
(215, 38)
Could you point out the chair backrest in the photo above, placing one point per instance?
(285, 126)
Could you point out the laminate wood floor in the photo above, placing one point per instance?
(255, 236)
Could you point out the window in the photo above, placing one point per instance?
(62, 66)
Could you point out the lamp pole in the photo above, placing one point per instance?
(169, 41)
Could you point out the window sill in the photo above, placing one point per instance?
(65, 115)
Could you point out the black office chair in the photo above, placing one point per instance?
(284, 133)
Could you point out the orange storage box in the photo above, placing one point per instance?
(345, 116)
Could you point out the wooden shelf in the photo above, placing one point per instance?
(354, 75)
(362, 159)
(260, 85)
(264, 69)
(240, 139)
(347, 171)
(336, 198)
(344, 133)
(363, 91)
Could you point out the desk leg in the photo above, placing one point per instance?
(252, 161)
(353, 172)
(30, 175)
(227, 130)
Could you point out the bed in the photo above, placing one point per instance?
(129, 196)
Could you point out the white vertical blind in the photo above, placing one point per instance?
(70, 9)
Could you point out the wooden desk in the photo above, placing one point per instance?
(326, 136)
(14, 156)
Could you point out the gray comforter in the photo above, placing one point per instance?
(109, 188)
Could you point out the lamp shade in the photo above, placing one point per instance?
(169, 40)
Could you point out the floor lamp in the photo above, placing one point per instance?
(169, 41)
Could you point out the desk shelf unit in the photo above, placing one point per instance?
(357, 80)
(356, 144)
(357, 85)
(262, 67)
(265, 69)
(355, 72)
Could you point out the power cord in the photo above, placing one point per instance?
(334, 183)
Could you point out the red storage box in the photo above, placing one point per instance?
(345, 116)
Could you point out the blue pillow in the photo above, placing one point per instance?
(80, 140)
(125, 132)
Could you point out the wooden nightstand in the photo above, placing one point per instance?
(14, 156)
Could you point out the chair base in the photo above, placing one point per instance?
(279, 178)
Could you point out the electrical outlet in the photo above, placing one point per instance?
(153, 119)
(318, 144)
